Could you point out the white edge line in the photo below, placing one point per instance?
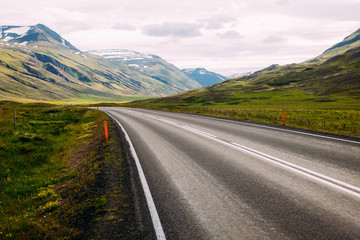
(345, 187)
(153, 212)
(267, 127)
(353, 190)
(275, 128)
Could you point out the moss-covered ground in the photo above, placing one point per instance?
(59, 177)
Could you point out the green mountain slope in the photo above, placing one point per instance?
(350, 42)
(38, 64)
(150, 65)
(331, 78)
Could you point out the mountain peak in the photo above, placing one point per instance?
(350, 42)
(24, 35)
(353, 40)
(203, 76)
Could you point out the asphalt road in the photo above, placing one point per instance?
(220, 179)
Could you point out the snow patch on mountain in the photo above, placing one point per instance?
(8, 33)
(239, 75)
(8, 38)
(21, 31)
(122, 54)
(133, 59)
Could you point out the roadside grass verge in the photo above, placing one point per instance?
(51, 170)
(331, 114)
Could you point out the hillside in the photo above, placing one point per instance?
(36, 63)
(325, 80)
(203, 76)
(150, 65)
(349, 42)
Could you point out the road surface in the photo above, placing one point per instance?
(214, 178)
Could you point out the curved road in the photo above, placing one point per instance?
(221, 179)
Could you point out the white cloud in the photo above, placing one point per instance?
(230, 35)
(177, 29)
(64, 14)
(274, 39)
(218, 21)
(124, 26)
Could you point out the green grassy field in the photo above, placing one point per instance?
(330, 114)
(49, 161)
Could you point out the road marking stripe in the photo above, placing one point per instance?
(314, 175)
(153, 212)
(197, 131)
(345, 187)
(278, 129)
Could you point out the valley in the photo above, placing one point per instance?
(60, 178)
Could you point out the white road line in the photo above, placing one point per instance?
(269, 127)
(197, 131)
(311, 174)
(153, 212)
(345, 187)
(278, 129)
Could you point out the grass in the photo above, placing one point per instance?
(330, 114)
(50, 163)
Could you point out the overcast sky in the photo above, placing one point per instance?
(225, 36)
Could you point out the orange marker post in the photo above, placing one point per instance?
(106, 130)
(284, 117)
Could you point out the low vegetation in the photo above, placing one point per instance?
(331, 114)
(321, 95)
(53, 174)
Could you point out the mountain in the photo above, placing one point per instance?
(334, 75)
(27, 35)
(150, 65)
(36, 63)
(239, 75)
(349, 42)
(203, 76)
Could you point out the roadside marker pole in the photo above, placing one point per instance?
(284, 117)
(106, 130)
(15, 116)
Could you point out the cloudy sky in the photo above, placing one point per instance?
(226, 36)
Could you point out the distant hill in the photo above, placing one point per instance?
(36, 63)
(150, 65)
(332, 75)
(203, 76)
